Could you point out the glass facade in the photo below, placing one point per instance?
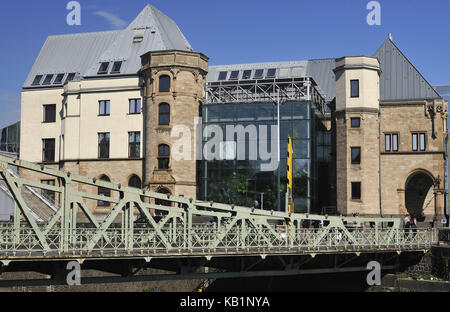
(240, 177)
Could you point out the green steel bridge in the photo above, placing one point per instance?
(190, 235)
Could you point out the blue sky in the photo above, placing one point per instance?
(232, 31)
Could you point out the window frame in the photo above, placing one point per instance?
(45, 150)
(353, 190)
(133, 144)
(37, 80)
(359, 122)
(102, 145)
(137, 104)
(164, 114)
(160, 85)
(119, 63)
(59, 81)
(352, 88)
(163, 160)
(102, 71)
(355, 148)
(421, 140)
(45, 113)
(48, 81)
(222, 76)
(389, 138)
(108, 102)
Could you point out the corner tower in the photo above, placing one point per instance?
(357, 135)
(174, 90)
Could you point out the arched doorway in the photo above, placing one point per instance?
(419, 194)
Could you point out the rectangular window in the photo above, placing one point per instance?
(258, 74)
(103, 145)
(116, 67)
(59, 79)
(223, 75)
(356, 155)
(134, 142)
(135, 106)
(419, 142)
(414, 142)
(271, 73)
(356, 190)
(48, 150)
(422, 141)
(354, 88)
(48, 79)
(387, 138)
(37, 80)
(46, 193)
(50, 113)
(391, 142)
(103, 68)
(104, 108)
(247, 74)
(234, 75)
(70, 77)
(395, 142)
(355, 122)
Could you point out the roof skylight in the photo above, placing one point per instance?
(103, 68)
(37, 80)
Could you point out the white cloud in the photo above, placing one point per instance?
(114, 20)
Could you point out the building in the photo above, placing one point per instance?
(10, 139)
(139, 107)
(444, 91)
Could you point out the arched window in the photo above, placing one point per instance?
(164, 83)
(164, 114)
(163, 156)
(135, 182)
(104, 192)
(163, 190)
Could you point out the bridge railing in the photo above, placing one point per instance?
(233, 230)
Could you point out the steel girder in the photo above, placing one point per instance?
(234, 231)
(267, 90)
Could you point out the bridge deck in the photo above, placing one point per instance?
(233, 231)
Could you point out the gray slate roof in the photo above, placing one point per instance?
(83, 53)
(399, 79)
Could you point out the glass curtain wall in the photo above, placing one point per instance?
(244, 182)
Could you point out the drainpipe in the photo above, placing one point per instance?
(379, 162)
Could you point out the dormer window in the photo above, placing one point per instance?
(103, 68)
(116, 67)
(37, 80)
(48, 79)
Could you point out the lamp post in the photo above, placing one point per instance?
(278, 152)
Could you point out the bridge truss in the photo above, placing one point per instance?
(178, 238)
